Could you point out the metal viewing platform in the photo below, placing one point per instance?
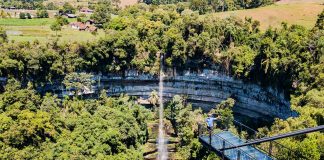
(231, 146)
(226, 139)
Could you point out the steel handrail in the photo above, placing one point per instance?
(236, 148)
(242, 151)
(280, 136)
(281, 145)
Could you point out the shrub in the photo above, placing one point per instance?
(22, 15)
(28, 15)
(42, 14)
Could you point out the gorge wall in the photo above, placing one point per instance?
(204, 90)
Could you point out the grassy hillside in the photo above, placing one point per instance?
(299, 1)
(290, 11)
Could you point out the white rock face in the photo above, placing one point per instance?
(205, 91)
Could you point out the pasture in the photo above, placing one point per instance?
(291, 11)
(32, 29)
(26, 22)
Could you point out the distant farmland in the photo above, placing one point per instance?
(32, 29)
(76, 3)
(302, 12)
(291, 11)
(124, 3)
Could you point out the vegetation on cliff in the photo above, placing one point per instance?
(282, 57)
(290, 58)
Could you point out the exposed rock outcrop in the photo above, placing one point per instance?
(203, 90)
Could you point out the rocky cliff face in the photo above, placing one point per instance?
(204, 90)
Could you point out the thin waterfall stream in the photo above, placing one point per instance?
(162, 141)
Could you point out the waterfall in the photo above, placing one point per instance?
(162, 141)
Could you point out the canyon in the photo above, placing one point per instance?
(203, 90)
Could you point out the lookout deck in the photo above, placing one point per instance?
(227, 139)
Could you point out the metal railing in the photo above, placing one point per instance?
(235, 153)
(272, 148)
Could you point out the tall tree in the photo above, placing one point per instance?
(154, 98)
(102, 12)
(3, 35)
(224, 110)
(80, 82)
(320, 21)
(172, 111)
(68, 8)
(56, 27)
(199, 5)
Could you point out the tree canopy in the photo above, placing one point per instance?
(34, 126)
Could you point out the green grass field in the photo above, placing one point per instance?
(26, 22)
(32, 29)
(29, 22)
(304, 14)
(44, 33)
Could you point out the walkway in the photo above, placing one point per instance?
(242, 153)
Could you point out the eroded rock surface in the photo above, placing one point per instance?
(203, 90)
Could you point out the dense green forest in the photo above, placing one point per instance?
(290, 58)
(204, 6)
(34, 127)
(22, 4)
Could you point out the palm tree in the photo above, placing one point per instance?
(154, 98)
